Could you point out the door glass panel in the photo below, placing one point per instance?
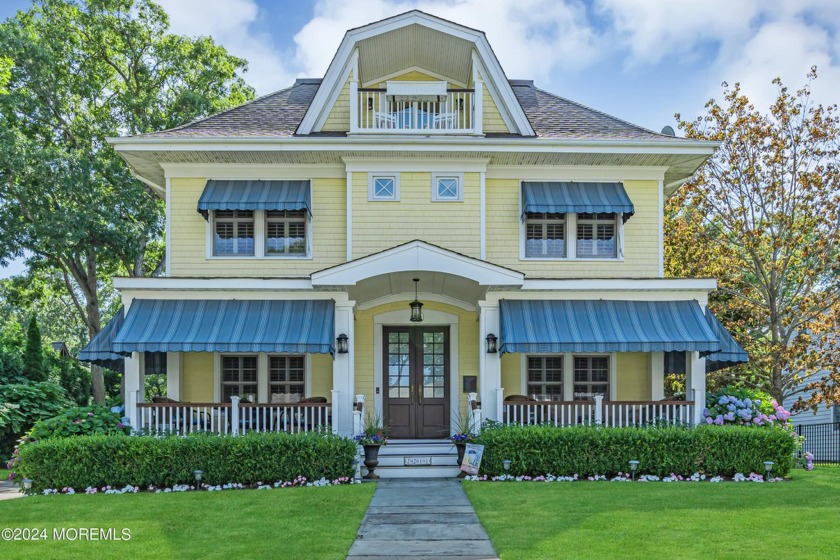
(434, 377)
(398, 365)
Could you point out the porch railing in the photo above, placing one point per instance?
(232, 418)
(373, 111)
(596, 412)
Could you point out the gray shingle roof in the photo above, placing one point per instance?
(280, 113)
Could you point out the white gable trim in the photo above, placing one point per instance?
(493, 90)
(410, 69)
(417, 256)
(342, 64)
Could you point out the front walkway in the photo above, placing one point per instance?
(417, 519)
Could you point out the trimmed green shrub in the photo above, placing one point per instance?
(102, 460)
(589, 451)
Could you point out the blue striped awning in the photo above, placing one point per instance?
(730, 352)
(604, 326)
(98, 351)
(255, 195)
(289, 327)
(591, 198)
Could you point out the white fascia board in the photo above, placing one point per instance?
(253, 171)
(353, 165)
(705, 285)
(390, 143)
(417, 256)
(159, 190)
(580, 173)
(250, 284)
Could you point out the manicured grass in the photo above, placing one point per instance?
(4, 474)
(794, 519)
(287, 523)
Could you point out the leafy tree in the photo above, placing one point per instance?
(763, 216)
(71, 376)
(82, 71)
(33, 355)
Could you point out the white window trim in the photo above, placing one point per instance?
(262, 374)
(569, 371)
(389, 175)
(441, 175)
(618, 222)
(571, 242)
(259, 240)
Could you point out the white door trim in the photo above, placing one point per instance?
(431, 318)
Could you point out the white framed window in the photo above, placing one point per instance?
(597, 236)
(233, 233)
(545, 235)
(285, 233)
(383, 186)
(545, 378)
(591, 377)
(239, 377)
(447, 187)
(286, 378)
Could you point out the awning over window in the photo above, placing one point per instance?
(604, 326)
(289, 327)
(560, 198)
(730, 352)
(255, 195)
(99, 352)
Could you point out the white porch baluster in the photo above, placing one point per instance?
(599, 409)
(234, 415)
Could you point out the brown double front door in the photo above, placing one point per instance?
(416, 380)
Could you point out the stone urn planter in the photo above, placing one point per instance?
(371, 461)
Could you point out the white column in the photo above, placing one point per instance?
(134, 392)
(657, 376)
(482, 215)
(695, 383)
(478, 104)
(173, 375)
(354, 106)
(490, 365)
(349, 215)
(343, 370)
(262, 378)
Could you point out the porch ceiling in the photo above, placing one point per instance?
(434, 286)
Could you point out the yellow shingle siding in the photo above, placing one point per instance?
(490, 114)
(379, 225)
(188, 235)
(197, 377)
(633, 376)
(339, 118)
(322, 376)
(512, 374)
(364, 335)
(641, 239)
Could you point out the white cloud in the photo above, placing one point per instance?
(230, 22)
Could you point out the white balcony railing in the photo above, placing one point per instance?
(374, 111)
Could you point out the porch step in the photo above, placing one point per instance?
(436, 458)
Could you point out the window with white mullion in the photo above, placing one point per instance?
(287, 378)
(597, 236)
(233, 232)
(592, 377)
(545, 378)
(285, 232)
(545, 235)
(239, 377)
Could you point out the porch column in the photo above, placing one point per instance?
(695, 383)
(343, 371)
(657, 376)
(490, 365)
(134, 386)
(173, 375)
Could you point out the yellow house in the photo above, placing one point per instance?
(305, 228)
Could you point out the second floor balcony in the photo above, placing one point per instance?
(416, 108)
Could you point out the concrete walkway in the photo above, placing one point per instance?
(9, 491)
(421, 518)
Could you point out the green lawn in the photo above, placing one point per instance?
(288, 523)
(4, 474)
(796, 519)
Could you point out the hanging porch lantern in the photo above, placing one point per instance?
(416, 306)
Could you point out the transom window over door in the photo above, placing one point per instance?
(545, 378)
(545, 235)
(592, 377)
(239, 377)
(596, 236)
(286, 378)
(285, 232)
(233, 232)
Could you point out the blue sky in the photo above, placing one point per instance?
(640, 60)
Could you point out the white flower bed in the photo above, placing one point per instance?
(623, 477)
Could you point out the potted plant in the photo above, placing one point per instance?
(463, 435)
(374, 435)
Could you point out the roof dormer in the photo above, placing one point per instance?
(415, 74)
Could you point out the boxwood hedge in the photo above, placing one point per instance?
(587, 451)
(119, 460)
